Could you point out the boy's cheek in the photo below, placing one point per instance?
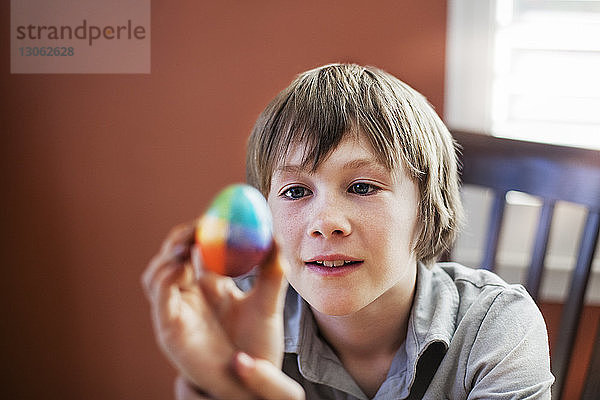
(281, 229)
(284, 233)
(284, 221)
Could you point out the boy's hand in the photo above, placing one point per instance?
(201, 324)
(262, 378)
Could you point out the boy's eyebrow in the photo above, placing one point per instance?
(353, 164)
(292, 169)
(364, 162)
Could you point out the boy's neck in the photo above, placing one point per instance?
(367, 340)
(378, 328)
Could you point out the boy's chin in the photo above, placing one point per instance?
(335, 307)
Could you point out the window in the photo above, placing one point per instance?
(526, 69)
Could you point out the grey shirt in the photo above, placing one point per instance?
(494, 335)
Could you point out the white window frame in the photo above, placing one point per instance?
(528, 73)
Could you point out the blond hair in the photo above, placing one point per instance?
(323, 105)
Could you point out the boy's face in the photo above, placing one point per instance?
(347, 229)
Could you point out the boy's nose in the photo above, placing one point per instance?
(329, 221)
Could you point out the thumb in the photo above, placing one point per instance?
(270, 286)
(266, 380)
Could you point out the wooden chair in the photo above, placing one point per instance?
(553, 173)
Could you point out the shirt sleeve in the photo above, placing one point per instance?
(509, 358)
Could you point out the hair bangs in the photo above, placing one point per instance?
(316, 115)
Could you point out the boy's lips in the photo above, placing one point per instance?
(333, 264)
(332, 257)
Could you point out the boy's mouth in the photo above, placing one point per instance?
(332, 263)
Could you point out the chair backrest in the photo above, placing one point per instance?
(553, 173)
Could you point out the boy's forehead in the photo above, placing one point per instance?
(353, 152)
(350, 147)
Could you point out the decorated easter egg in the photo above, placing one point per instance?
(236, 232)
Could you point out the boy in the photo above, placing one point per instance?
(361, 177)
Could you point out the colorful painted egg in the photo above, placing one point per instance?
(236, 232)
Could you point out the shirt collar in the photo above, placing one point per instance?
(435, 307)
(432, 318)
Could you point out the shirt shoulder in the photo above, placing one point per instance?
(477, 286)
(499, 343)
(479, 278)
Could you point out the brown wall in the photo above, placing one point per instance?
(97, 168)
(582, 350)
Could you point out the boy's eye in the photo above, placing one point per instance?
(296, 192)
(362, 188)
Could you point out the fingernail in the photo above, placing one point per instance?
(196, 263)
(244, 363)
(180, 252)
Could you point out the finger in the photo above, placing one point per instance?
(180, 234)
(167, 306)
(175, 250)
(219, 291)
(167, 270)
(197, 262)
(185, 391)
(157, 267)
(269, 289)
(265, 380)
